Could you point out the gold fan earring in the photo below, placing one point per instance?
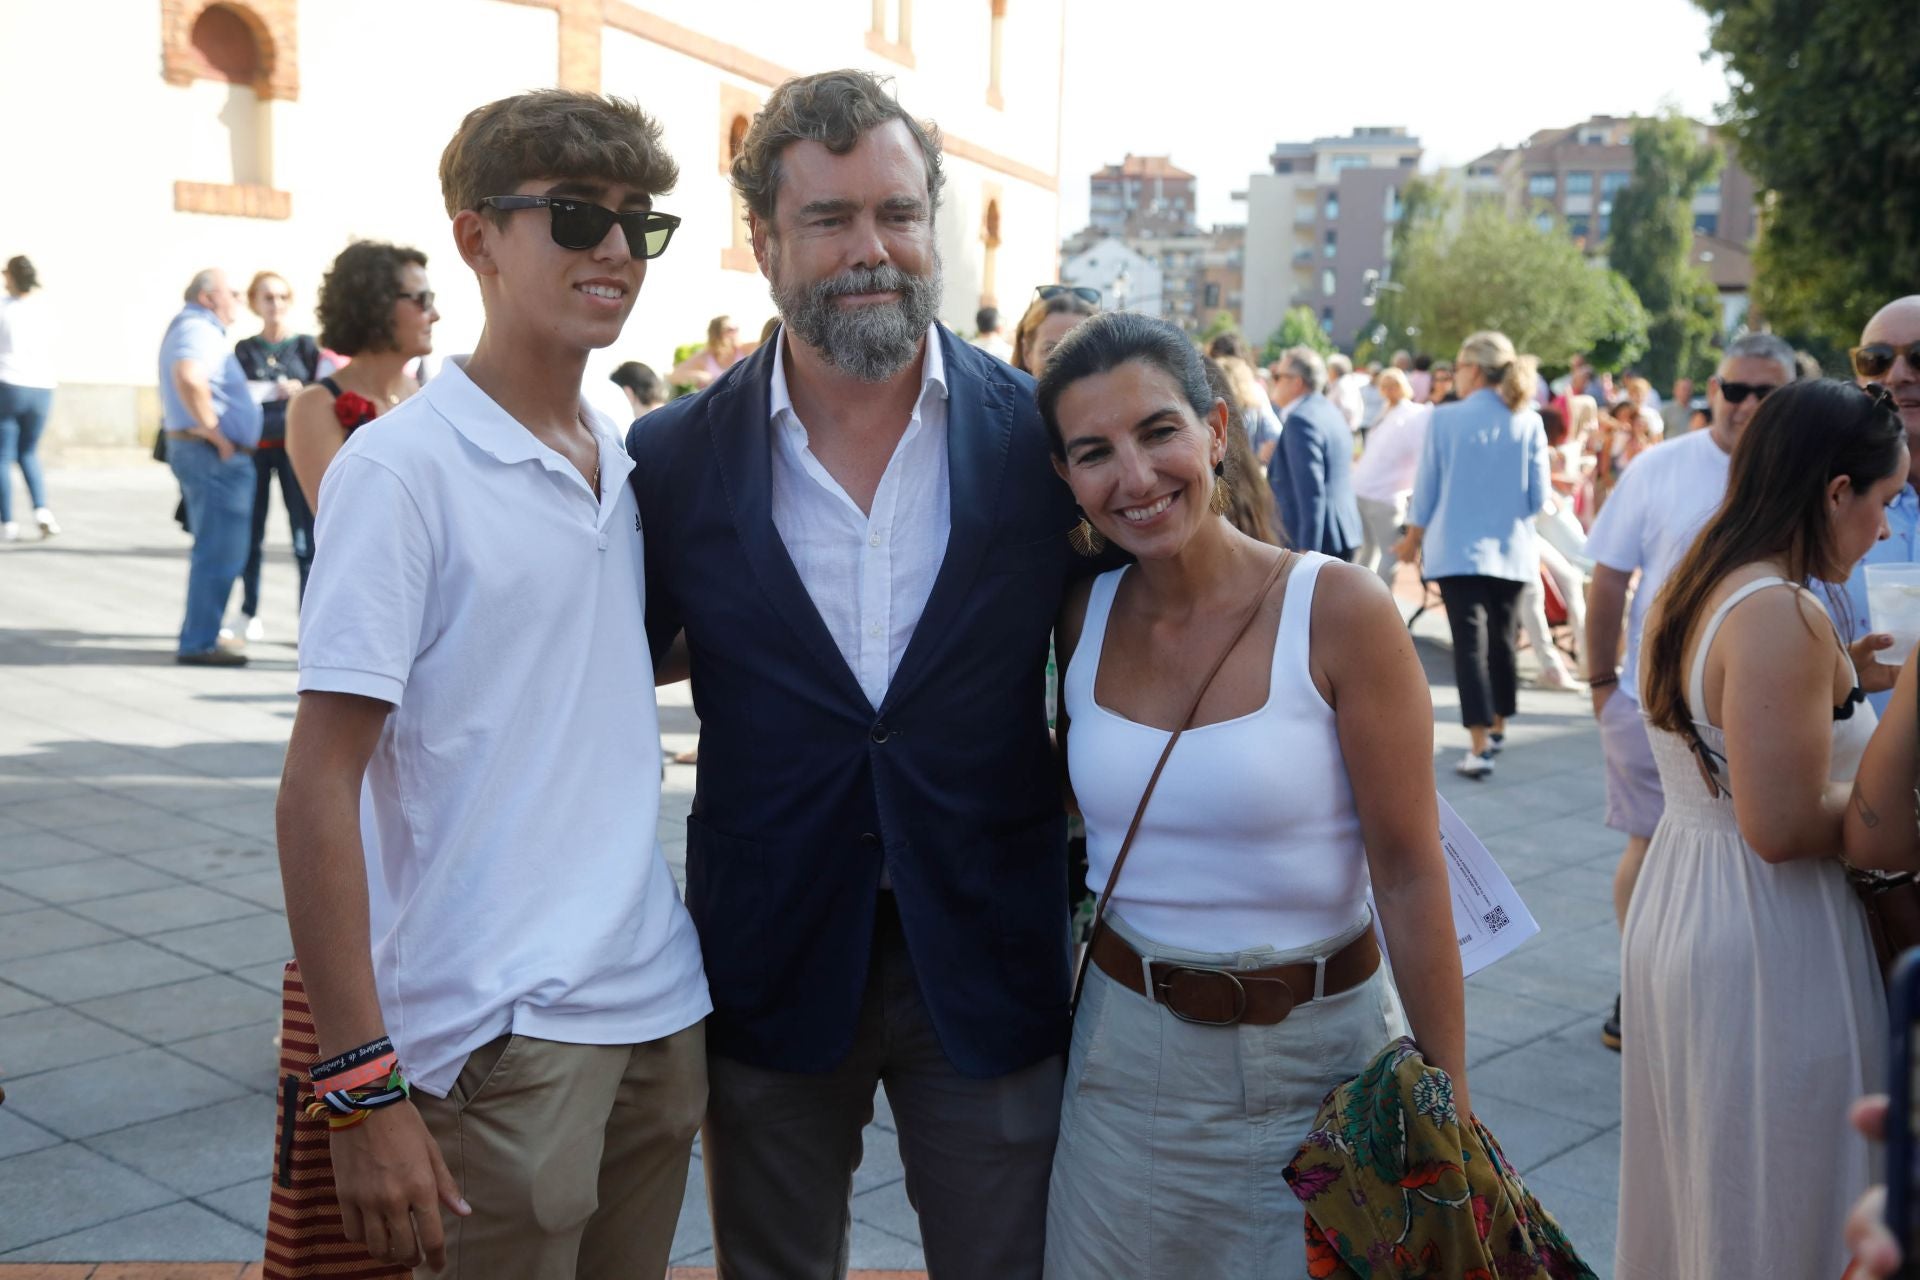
(1222, 501)
(1086, 539)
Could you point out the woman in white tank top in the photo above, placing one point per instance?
(1236, 979)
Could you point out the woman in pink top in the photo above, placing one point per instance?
(720, 354)
(1383, 478)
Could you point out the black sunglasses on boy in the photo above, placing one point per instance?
(582, 224)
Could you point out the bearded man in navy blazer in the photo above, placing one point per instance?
(860, 537)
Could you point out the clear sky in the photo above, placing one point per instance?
(1216, 83)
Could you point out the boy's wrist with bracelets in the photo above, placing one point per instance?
(1601, 682)
(349, 1087)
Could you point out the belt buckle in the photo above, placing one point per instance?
(1162, 987)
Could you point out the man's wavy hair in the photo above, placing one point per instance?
(833, 108)
(357, 294)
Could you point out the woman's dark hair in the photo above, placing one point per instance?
(1060, 304)
(1249, 501)
(1555, 423)
(1110, 340)
(21, 271)
(1801, 438)
(357, 296)
(1229, 344)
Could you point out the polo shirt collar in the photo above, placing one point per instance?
(207, 314)
(495, 432)
(933, 373)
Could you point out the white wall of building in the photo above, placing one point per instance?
(1270, 274)
(97, 140)
(1102, 265)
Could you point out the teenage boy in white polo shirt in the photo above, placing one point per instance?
(468, 650)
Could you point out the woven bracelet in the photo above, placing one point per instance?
(351, 1058)
(363, 1076)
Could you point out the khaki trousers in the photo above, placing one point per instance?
(573, 1156)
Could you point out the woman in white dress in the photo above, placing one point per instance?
(1236, 980)
(1749, 982)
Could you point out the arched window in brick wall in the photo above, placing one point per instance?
(990, 240)
(997, 10)
(737, 107)
(231, 59)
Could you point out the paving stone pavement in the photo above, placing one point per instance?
(142, 930)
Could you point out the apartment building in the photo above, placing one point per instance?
(1318, 222)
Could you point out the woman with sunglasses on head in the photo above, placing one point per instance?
(1213, 665)
(376, 309)
(1750, 994)
(1055, 310)
(278, 363)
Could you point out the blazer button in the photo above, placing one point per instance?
(869, 840)
(880, 733)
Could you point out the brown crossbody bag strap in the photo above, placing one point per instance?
(1280, 569)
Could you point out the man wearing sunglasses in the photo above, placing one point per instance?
(468, 662)
(1889, 355)
(858, 533)
(1648, 523)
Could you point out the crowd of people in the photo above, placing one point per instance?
(864, 535)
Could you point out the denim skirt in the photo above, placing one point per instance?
(1173, 1136)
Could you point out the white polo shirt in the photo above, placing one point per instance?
(466, 573)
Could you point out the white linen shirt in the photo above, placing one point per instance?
(868, 573)
(466, 574)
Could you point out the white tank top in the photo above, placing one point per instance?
(1251, 838)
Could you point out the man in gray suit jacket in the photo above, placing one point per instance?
(1311, 472)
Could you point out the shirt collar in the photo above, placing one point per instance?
(498, 434)
(933, 373)
(206, 313)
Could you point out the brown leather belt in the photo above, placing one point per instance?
(1223, 997)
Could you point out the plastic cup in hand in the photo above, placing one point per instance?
(1893, 605)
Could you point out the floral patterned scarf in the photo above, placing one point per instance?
(1394, 1190)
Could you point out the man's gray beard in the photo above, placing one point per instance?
(871, 342)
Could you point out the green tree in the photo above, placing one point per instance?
(1825, 113)
(1533, 284)
(1652, 247)
(1426, 206)
(1298, 328)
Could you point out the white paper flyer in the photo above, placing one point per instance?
(1489, 919)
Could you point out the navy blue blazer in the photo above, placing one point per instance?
(1311, 475)
(805, 790)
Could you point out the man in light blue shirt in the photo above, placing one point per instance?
(1887, 352)
(212, 426)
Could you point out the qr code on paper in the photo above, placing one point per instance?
(1495, 920)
